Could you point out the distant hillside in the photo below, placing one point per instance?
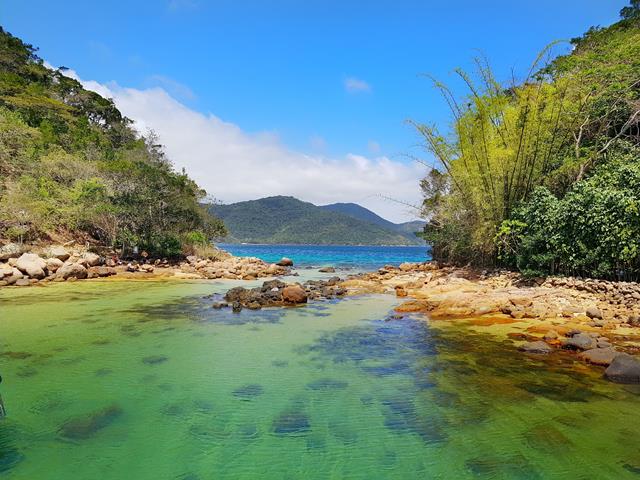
(289, 220)
(357, 211)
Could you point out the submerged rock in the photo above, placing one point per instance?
(86, 426)
(624, 369)
(155, 359)
(538, 347)
(291, 422)
(327, 384)
(248, 392)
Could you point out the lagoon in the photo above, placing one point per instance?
(143, 379)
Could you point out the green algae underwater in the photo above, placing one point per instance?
(144, 380)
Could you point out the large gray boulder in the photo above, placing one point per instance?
(624, 369)
(91, 259)
(599, 356)
(59, 252)
(53, 264)
(5, 270)
(32, 265)
(69, 270)
(580, 341)
(14, 277)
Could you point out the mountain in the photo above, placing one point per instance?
(289, 220)
(361, 213)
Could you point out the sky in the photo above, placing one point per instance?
(310, 99)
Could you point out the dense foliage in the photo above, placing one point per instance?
(532, 175)
(288, 220)
(71, 166)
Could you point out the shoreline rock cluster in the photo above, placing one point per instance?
(56, 264)
(20, 266)
(596, 320)
(276, 293)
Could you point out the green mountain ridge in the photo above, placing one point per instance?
(283, 219)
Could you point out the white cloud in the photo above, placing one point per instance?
(355, 85)
(233, 165)
(174, 87)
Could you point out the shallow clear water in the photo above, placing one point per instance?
(345, 256)
(143, 380)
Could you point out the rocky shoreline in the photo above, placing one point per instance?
(22, 267)
(598, 321)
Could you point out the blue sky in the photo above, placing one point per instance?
(328, 78)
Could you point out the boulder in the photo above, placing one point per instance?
(53, 264)
(327, 270)
(23, 282)
(294, 294)
(92, 259)
(10, 250)
(6, 270)
(539, 347)
(599, 356)
(285, 262)
(580, 341)
(272, 269)
(102, 271)
(71, 270)
(14, 277)
(594, 312)
(32, 265)
(59, 252)
(624, 369)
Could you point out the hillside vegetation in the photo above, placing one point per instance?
(544, 175)
(72, 167)
(408, 229)
(289, 220)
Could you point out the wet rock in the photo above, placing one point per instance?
(285, 262)
(291, 422)
(248, 392)
(580, 341)
(327, 270)
(236, 307)
(86, 426)
(294, 294)
(32, 265)
(220, 305)
(538, 347)
(624, 369)
(254, 306)
(599, 356)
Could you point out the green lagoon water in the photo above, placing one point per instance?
(143, 380)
